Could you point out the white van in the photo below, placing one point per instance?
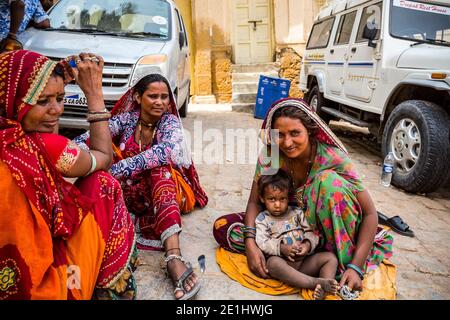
(385, 65)
(135, 38)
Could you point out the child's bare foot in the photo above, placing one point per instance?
(330, 286)
(318, 294)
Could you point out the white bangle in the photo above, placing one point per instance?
(93, 164)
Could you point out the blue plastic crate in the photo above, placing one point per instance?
(270, 90)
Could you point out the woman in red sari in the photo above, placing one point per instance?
(156, 172)
(58, 240)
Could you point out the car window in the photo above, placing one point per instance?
(371, 16)
(151, 18)
(345, 28)
(320, 34)
(420, 22)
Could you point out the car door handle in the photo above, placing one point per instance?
(354, 49)
(332, 51)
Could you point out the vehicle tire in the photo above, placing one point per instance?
(418, 134)
(183, 110)
(316, 102)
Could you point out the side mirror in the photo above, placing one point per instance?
(181, 39)
(370, 34)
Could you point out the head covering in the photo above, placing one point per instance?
(325, 135)
(128, 103)
(24, 75)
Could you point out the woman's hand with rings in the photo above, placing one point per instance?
(89, 75)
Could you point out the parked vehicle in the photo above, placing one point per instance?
(385, 65)
(135, 38)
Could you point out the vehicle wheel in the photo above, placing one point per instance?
(418, 132)
(183, 110)
(316, 102)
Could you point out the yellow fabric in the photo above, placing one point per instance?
(185, 196)
(379, 284)
(235, 266)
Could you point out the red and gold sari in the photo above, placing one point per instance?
(57, 240)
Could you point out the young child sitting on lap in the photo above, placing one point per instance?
(284, 235)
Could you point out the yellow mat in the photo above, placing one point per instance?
(379, 284)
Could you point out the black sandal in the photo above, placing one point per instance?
(181, 281)
(395, 223)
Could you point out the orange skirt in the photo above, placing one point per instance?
(96, 255)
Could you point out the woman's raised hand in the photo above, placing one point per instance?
(256, 260)
(88, 74)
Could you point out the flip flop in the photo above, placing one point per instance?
(395, 223)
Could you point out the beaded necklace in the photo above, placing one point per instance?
(148, 125)
(300, 199)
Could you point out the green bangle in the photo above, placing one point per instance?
(357, 269)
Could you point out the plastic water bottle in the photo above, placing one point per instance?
(388, 168)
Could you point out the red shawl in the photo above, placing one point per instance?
(24, 75)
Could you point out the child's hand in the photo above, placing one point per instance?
(303, 248)
(289, 251)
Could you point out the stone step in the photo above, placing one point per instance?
(257, 67)
(243, 107)
(238, 77)
(243, 97)
(245, 87)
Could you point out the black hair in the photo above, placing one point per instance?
(58, 71)
(296, 113)
(142, 84)
(280, 181)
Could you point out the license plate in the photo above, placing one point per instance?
(75, 100)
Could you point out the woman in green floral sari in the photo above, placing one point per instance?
(327, 187)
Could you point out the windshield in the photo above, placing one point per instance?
(139, 18)
(420, 21)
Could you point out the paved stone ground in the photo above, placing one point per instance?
(423, 262)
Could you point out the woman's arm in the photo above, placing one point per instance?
(364, 242)
(116, 128)
(255, 258)
(89, 77)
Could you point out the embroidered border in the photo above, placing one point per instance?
(68, 157)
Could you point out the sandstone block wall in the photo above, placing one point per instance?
(290, 64)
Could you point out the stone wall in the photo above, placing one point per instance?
(221, 74)
(290, 64)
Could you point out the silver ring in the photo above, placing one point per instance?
(78, 61)
(95, 59)
(88, 58)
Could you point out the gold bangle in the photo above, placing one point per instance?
(98, 120)
(99, 112)
(91, 117)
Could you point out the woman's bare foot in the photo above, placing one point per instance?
(175, 269)
(324, 286)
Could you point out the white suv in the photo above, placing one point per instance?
(385, 65)
(135, 38)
